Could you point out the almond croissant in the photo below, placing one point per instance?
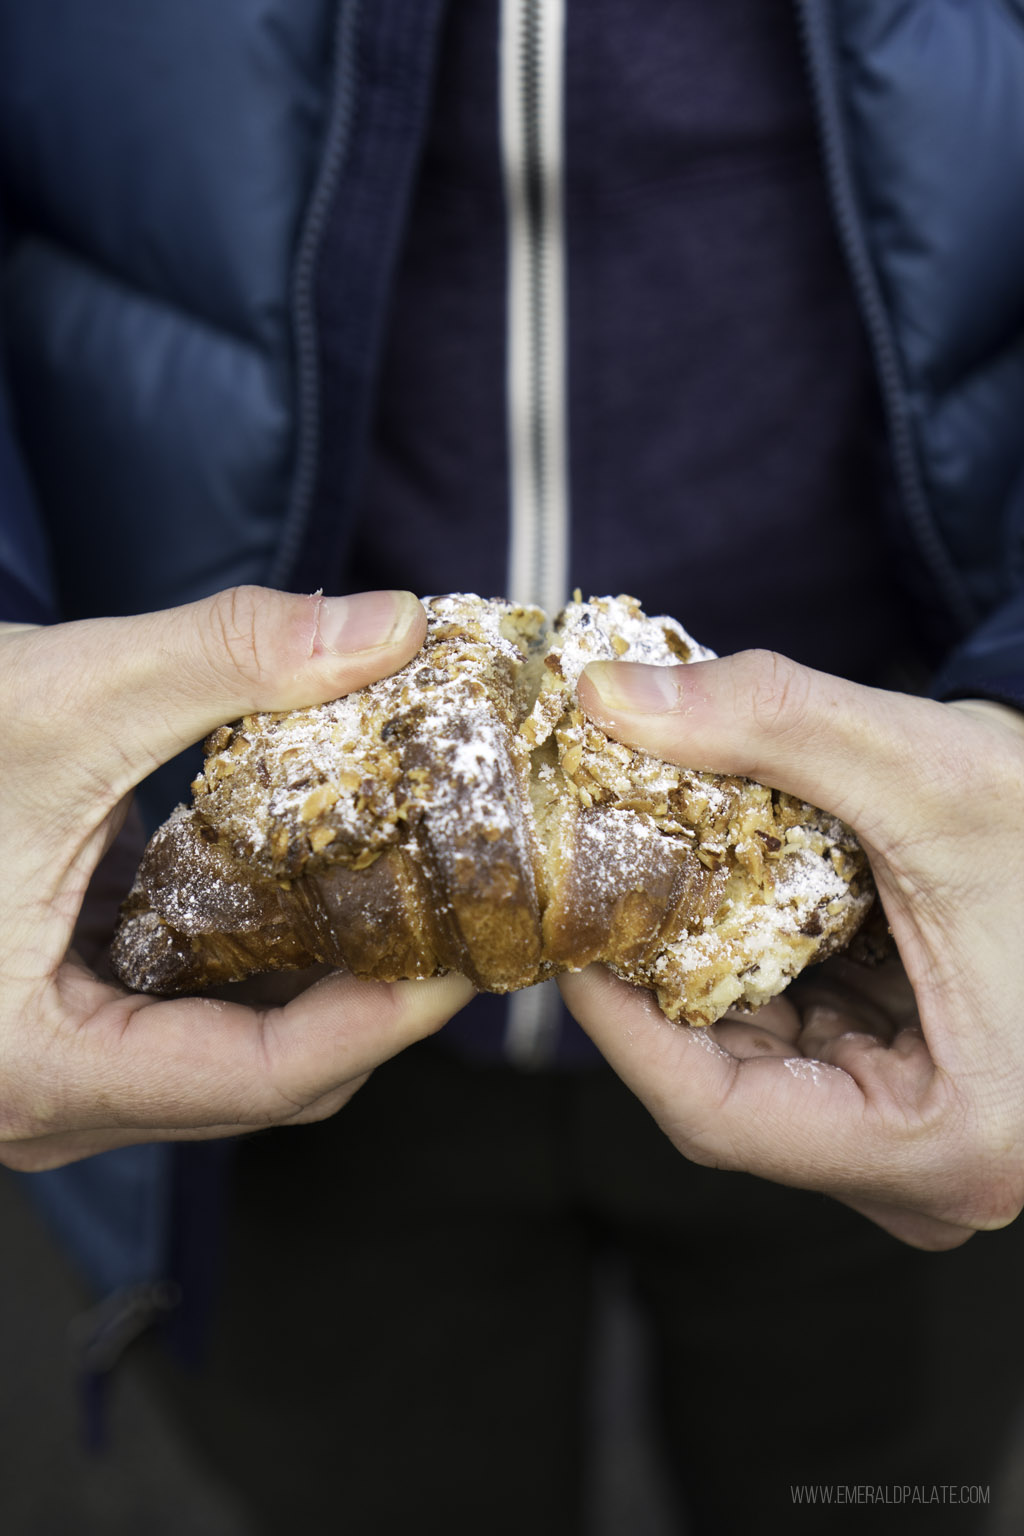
(464, 815)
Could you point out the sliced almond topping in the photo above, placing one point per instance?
(321, 837)
(317, 802)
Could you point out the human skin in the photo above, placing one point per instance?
(899, 1092)
(88, 710)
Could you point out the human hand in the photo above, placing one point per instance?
(89, 709)
(904, 1096)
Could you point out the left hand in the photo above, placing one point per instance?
(902, 1094)
(89, 709)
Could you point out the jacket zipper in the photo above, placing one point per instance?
(532, 71)
(532, 53)
(816, 23)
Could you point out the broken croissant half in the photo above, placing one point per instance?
(465, 815)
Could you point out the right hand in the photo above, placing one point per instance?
(89, 709)
(903, 1097)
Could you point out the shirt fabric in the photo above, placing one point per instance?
(727, 462)
(722, 403)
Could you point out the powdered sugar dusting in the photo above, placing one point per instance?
(617, 629)
(476, 766)
(803, 1066)
(348, 779)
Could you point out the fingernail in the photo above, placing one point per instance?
(365, 621)
(634, 687)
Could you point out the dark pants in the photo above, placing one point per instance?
(402, 1343)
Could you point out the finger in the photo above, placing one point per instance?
(897, 1075)
(772, 1031)
(876, 994)
(824, 1025)
(141, 689)
(132, 1062)
(919, 1231)
(43, 1153)
(858, 1132)
(758, 1113)
(995, 717)
(862, 753)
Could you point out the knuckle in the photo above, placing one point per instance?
(777, 689)
(323, 1108)
(993, 1199)
(238, 637)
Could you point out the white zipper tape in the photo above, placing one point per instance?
(532, 138)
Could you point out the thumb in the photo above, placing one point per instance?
(141, 689)
(862, 753)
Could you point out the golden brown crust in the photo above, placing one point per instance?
(465, 815)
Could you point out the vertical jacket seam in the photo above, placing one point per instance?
(819, 24)
(342, 111)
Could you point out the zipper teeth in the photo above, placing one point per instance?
(816, 21)
(531, 53)
(535, 236)
(307, 368)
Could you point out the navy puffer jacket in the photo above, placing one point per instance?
(168, 171)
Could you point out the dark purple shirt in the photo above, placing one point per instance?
(727, 463)
(722, 406)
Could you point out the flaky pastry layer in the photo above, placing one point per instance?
(465, 815)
